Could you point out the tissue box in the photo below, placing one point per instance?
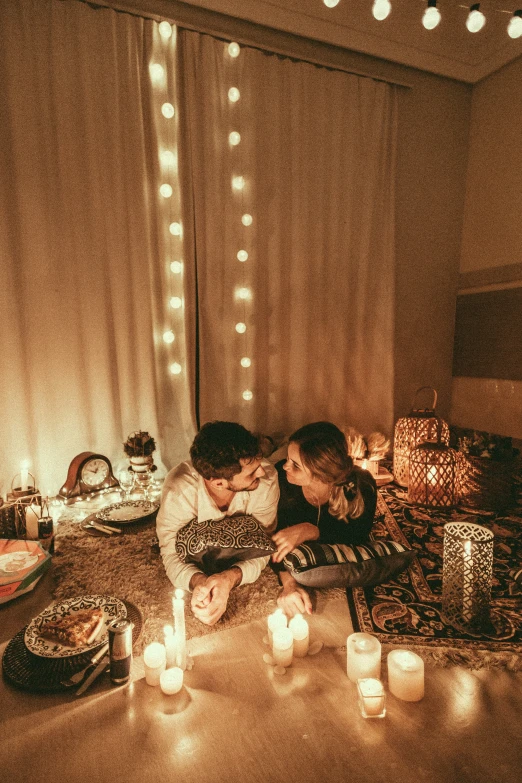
(22, 564)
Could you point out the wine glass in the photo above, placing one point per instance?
(145, 482)
(126, 479)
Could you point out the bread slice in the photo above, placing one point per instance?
(75, 630)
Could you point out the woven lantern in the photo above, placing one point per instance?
(419, 427)
(433, 474)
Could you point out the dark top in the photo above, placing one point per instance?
(293, 508)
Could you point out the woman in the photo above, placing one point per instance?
(324, 498)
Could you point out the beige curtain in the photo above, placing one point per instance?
(316, 152)
(84, 240)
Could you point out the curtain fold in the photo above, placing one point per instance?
(84, 243)
(317, 154)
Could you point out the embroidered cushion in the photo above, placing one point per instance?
(339, 565)
(217, 544)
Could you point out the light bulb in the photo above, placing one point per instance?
(240, 328)
(331, 3)
(165, 29)
(175, 368)
(168, 337)
(515, 25)
(243, 293)
(242, 255)
(156, 72)
(167, 110)
(476, 19)
(168, 158)
(381, 9)
(247, 220)
(238, 183)
(431, 16)
(247, 394)
(234, 138)
(176, 267)
(245, 362)
(175, 229)
(233, 95)
(166, 191)
(175, 302)
(234, 49)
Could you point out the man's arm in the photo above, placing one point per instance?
(210, 598)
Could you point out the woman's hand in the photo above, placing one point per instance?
(290, 537)
(293, 599)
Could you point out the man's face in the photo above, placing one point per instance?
(248, 479)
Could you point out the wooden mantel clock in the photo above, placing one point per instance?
(88, 472)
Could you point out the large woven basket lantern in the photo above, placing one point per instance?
(420, 426)
(433, 474)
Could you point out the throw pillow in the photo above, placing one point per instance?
(216, 544)
(339, 565)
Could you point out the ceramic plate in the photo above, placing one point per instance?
(127, 511)
(113, 609)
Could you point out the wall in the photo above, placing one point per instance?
(491, 261)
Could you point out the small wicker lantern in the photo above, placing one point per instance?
(467, 572)
(433, 474)
(419, 427)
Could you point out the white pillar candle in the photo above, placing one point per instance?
(24, 475)
(170, 645)
(178, 608)
(282, 647)
(363, 656)
(171, 680)
(32, 515)
(372, 701)
(275, 621)
(154, 661)
(301, 635)
(406, 675)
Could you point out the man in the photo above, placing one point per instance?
(225, 477)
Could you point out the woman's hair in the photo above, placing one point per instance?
(324, 453)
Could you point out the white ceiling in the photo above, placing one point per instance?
(449, 50)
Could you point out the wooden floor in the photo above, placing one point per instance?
(237, 721)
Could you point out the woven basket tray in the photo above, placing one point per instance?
(487, 484)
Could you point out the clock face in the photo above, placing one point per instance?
(94, 472)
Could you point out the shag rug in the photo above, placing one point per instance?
(407, 611)
(129, 566)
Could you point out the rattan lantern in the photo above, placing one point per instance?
(433, 474)
(419, 427)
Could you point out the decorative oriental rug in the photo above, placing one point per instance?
(407, 611)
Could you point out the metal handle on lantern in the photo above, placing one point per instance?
(421, 388)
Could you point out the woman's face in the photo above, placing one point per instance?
(296, 472)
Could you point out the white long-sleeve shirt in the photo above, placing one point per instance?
(185, 497)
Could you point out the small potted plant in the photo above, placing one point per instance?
(139, 447)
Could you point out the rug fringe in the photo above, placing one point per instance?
(470, 659)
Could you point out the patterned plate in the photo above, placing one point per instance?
(127, 511)
(113, 609)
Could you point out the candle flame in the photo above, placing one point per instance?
(178, 593)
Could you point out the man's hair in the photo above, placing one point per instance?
(218, 448)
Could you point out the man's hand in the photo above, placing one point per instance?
(290, 537)
(293, 599)
(210, 597)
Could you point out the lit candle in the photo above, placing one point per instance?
(364, 464)
(24, 475)
(154, 661)
(301, 635)
(32, 516)
(406, 675)
(372, 701)
(282, 646)
(171, 680)
(178, 607)
(363, 656)
(170, 645)
(467, 586)
(275, 621)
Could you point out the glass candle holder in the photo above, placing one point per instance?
(372, 699)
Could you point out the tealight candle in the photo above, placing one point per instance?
(170, 645)
(363, 656)
(301, 635)
(406, 675)
(178, 607)
(372, 701)
(171, 680)
(154, 660)
(275, 621)
(282, 647)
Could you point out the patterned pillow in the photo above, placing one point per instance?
(339, 565)
(217, 544)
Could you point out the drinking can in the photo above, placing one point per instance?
(120, 650)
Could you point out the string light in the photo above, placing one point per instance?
(233, 95)
(241, 328)
(242, 255)
(331, 3)
(166, 190)
(246, 219)
(515, 25)
(234, 138)
(247, 394)
(245, 362)
(234, 49)
(476, 19)
(156, 72)
(175, 368)
(168, 158)
(243, 293)
(176, 267)
(176, 302)
(165, 29)
(168, 337)
(238, 183)
(175, 229)
(431, 16)
(381, 9)
(167, 110)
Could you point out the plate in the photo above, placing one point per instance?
(127, 511)
(113, 609)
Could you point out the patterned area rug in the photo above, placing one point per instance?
(407, 612)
